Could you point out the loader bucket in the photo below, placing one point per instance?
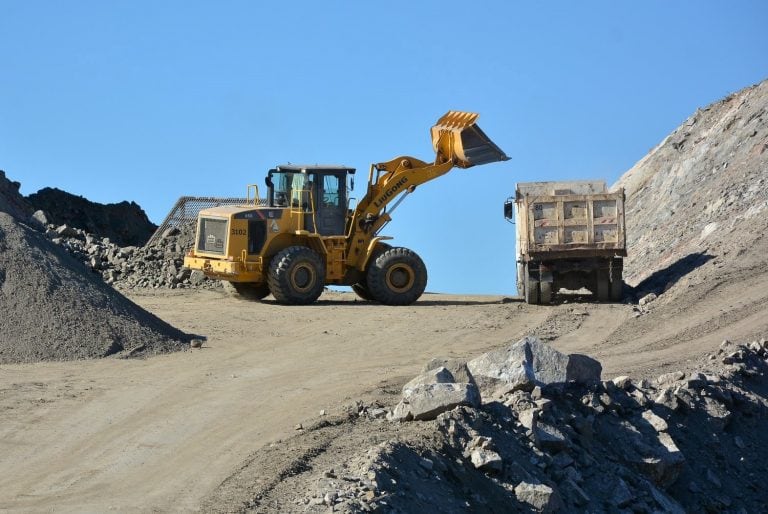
(456, 137)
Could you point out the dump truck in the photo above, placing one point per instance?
(569, 235)
(306, 233)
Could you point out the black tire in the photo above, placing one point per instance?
(617, 281)
(296, 276)
(247, 290)
(531, 287)
(602, 288)
(545, 293)
(397, 277)
(361, 288)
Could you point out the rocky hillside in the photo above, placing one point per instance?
(124, 223)
(700, 198)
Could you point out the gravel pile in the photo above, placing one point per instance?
(54, 308)
(683, 442)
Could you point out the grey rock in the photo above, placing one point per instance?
(668, 378)
(622, 382)
(528, 418)
(529, 362)
(645, 300)
(66, 231)
(486, 460)
(667, 398)
(196, 277)
(666, 462)
(549, 438)
(427, 401)
(457, 367)
(655, 421)
(719, 415)
(40, 219)
(433, 376)
(540, 497)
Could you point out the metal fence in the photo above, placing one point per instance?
(188, 207)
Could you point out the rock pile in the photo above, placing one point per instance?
(157, 266)
(53, 308)
(684, 442)
(124, 223)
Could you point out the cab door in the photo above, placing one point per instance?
(331, 203)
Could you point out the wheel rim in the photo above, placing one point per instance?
(302, 278)
(400, 278)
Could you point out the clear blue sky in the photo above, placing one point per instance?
(151, 100)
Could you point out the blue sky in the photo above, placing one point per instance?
(151, 100)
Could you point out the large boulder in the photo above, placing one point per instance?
(528, 363)
(427, 401)
(433, 392)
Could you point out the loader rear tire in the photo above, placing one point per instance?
(361, 290)
(248, 291)
(397, 277)
(296, 276)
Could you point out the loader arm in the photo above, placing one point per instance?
(457, 141)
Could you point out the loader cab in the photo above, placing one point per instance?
(319, 193)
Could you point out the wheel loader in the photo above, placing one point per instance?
(306, 233)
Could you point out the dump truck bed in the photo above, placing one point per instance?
(561, 220)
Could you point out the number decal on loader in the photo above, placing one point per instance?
(239, 232)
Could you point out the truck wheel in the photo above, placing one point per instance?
(397, 277)
(603, 285)
(545, 293)
(617, 282)
(247, 290)
(531, 288)
(296, 276)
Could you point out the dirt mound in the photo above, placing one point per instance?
(685, 442)
(53, 308)
(124, 223)
(698, 202)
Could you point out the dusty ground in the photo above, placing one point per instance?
(163, 433)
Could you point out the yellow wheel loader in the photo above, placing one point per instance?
(306, 234)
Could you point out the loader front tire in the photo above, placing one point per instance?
(361, 288)
(247, 291)
(397, 277)
(296, 276)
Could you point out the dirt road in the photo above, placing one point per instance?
(161, 434)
